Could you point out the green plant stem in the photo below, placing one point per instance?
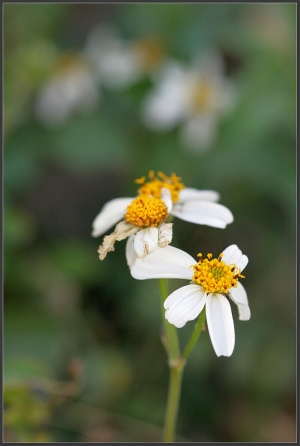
(176, 374)
(196, 333)
(176, 365)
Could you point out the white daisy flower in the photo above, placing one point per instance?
(213, 281)
(120, 63)
(72, 89)
(194, 97)
(174, 199)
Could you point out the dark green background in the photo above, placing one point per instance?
(68, 314)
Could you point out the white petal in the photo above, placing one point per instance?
(244, 312)
(111, 213)
(192, 194)
(145, 242)
(168, 262)
(233, 254)
(184, 304)
(238, 295)
(165, 195)
(129, 251)
(203, 213)
(199, 133)
(220, 324)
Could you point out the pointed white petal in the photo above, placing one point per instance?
(191, 194)
(168, 262)
(111, 213)
(184, 304)
(233, 254)
(238, 295)
(165, 195)
(145, 242)
(129, 251)
(203, 213)
(220, 324)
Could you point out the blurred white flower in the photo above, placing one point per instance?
(212, 282)
(72, 89)
(195, 97)
(120, 63)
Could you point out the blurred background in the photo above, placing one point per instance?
(95, 96)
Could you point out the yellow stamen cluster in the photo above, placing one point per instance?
(202, 96)
(214, 275)
(150, 53)
(154, 186)
(146, 211)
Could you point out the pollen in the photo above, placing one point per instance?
(146, 211)
(214, 275)
(153, 187)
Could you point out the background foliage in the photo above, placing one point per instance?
(82, 354)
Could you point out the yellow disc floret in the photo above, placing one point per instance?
(146, 211)
(154, 186)
(214, 275)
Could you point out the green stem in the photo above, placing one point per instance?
(176, 373)
(196, 333)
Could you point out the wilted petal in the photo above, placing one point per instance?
(122, 231)
(129, 251)
(168, 262)
(184, 304)
(145, 242)
(111, 213)
(220, 324)
(192, 194)
(165, 233)
(203, 213)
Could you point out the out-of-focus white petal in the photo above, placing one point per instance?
(199, 133)
(220, 324)
(111, 213)
(145, 242)
(238, 295)
(192, 194)
(165, 196)
(129, 251)
(168, 262)
(203, 213)
(184, 304)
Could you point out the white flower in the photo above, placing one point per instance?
(194, 96)
(189, 204)
(213, 282)
(73, 88)
(121, 63)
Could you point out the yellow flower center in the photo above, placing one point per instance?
(154, 186)
(146, 211)
(214, 275)
(201, 96)
(150, 53)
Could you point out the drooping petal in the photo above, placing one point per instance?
(111, 213)
(192, 194)
(184, 304)
(203, 213)
(220, 324)
(239, 297)
(122, 231)
(168, 262)
(129, 251)
(145, 242)
(165, 234)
